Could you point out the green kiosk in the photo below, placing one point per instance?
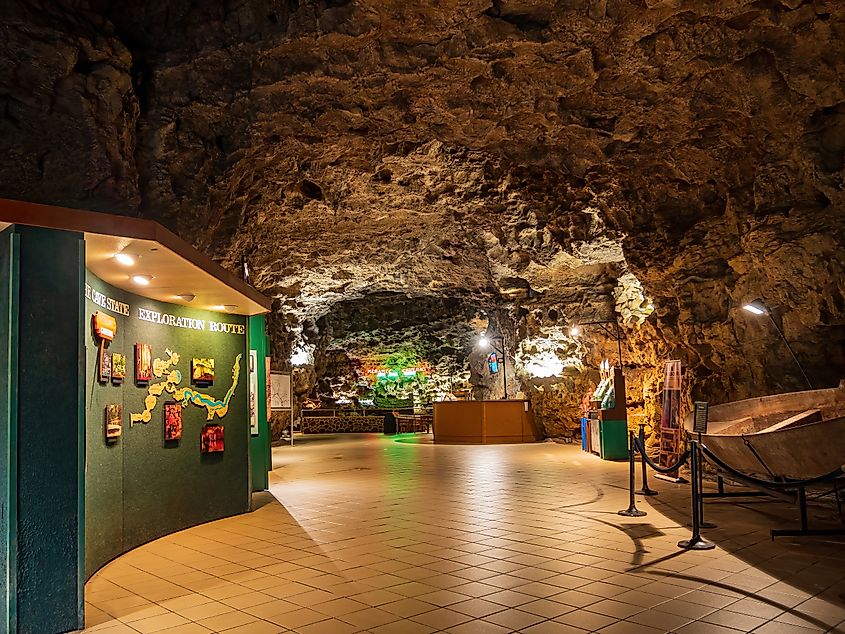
(133, 400)
(608, 418)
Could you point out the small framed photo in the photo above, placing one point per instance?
(118, 367)
(211, 439)
(114, 421)
(143, 363)
(172, 420)
(202, 371)
(105, 365)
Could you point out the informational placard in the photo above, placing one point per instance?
(268, 389)
(280, 391)
(671, 434)
(253, 392)
(699, 425)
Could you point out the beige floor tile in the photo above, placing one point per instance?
(553, 627)
(478, 627)
(585, 620)
(257, 627)
(660, 620)
(186, 601)
(158, 623)
(129, 615)
(369, 618)
(402, 627)
(187, 628)
(271, 608)
(297, 618)
(441, 618)
(514, 619)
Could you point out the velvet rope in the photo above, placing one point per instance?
(770, 484)
(656, 466)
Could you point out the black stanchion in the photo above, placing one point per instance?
(703, 523)
(696, 541)
(645, 490)
(632, 510)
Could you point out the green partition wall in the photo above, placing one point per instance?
(261, 461)
(8, 428)
(42, 429)
(140, 487)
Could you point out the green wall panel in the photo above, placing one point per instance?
(140, 488)
(49, 476)
(8, 424)
(260, 457)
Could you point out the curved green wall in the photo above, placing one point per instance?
(140, 487)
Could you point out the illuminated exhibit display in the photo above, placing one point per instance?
(121, 479)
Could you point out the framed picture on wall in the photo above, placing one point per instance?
(253, 392)
(211, 439)
(105, 365)
(118, 367)
(143, 363)
(202, 371)
(114, 421)
(172, 420)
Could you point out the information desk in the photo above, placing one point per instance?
(484, 422)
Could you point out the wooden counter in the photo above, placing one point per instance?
(484, 422)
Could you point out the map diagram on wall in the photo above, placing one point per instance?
(172, 377)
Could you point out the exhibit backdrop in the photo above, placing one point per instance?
(145, 479)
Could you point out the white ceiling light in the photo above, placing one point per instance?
(124, 258)
(142, 280)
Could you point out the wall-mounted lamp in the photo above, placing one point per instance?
(484, 343)
(576, 331)
(758, 307)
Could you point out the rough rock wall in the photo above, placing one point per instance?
(524, 154)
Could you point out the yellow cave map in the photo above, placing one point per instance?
(172, 378)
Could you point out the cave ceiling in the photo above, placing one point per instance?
(554, 161)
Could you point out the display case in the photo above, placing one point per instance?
(608, 420)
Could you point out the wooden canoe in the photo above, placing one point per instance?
(797, 436)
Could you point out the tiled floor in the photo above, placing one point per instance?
(366, 534)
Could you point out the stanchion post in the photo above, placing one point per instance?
(696, 541)
(632, 510)
(645, 490)
(702, 522)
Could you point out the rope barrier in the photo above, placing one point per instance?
(770, 484)
(681, 461)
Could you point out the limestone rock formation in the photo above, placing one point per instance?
(548, 163)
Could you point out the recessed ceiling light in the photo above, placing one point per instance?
(188, 297)
(230, 308)
(124, 258)
(142, 280)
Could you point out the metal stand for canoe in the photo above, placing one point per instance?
(696, 541)
(791, 491)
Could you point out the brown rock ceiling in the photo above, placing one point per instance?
(514, 156)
